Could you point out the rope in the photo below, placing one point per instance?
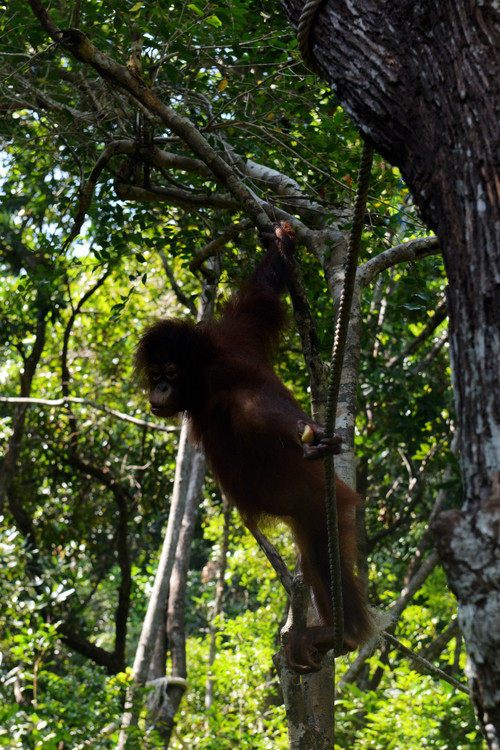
(304, 32)
(334, 387)
(303, 37)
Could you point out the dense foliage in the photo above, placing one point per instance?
(86, 491)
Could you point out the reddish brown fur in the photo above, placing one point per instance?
(246, 421)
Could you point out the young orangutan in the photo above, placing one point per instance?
(259, 443)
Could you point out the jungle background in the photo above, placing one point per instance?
(86, 476)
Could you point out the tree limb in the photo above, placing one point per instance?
(84, 401)
(121, 78)
(406, 251)
(440, 314)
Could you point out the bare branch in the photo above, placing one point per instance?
(87, 192)
(425, 665)
(215, 246)
(177, 196)
(413, 495)
(183, 298)
(274, 558)
(407, 594)
(440, 314)
(432, 354)
(439, 643)
(73, 400)
(412, 250)
(306, 326)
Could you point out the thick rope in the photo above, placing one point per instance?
(304, 32)
(334, 387)
(303, 37)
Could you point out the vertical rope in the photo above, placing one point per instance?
(342, 326)
(334, 387)
(304, 32)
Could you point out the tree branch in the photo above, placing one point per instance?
(215, 246)
(85, 402)
(183, 198)
(440, 314)
(306, 326)
(84, 647)
(407, 594)
(412, 250)
(423, 664)
(121, 78)
(181, 296)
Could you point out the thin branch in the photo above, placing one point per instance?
(85, 402)
(65, 374)
(437, 646)
(151, 155)
(425, 540)
(181, 296)
(413, 495)
(431, 355)
(440, 314)
(87, 192)
(182, 198)
(274, 558)
(425, 665)
(214, 247)
(8, 466)
(306, 326)
(123, 499)
(395, 611)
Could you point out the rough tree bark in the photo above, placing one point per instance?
(421, 80)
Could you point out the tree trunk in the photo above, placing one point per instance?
(159, 596)
(421, 81)
(217, 610)
(176, 633)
